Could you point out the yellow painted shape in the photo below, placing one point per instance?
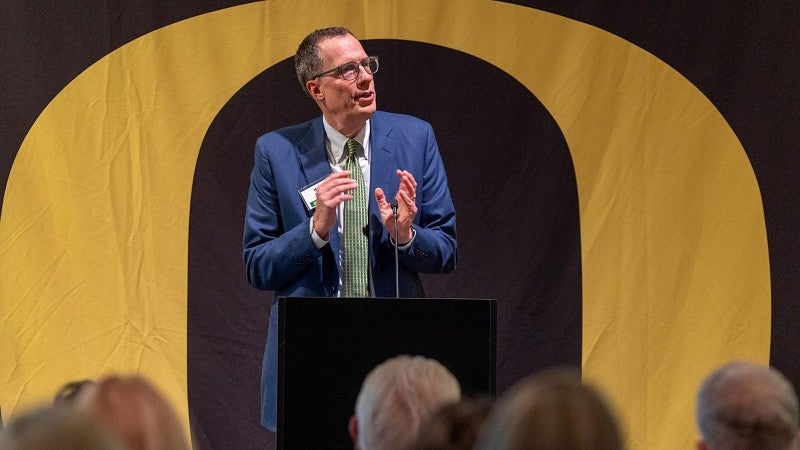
(94, 231)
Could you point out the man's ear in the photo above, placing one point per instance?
(313, 89)
(352, 428)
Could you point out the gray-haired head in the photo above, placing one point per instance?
(397, 397)
(743, 405)
(307, 59)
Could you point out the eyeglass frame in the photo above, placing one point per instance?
(339, 71)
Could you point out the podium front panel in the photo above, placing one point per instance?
(326, 346)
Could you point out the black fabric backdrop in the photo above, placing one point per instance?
(741, 56)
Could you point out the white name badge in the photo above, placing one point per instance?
(309, 195)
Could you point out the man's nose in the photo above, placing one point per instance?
(363, 74)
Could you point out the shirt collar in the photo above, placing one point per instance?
(336, 142)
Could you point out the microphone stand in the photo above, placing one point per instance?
(396, 257)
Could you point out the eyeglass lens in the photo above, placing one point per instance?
(350, 71)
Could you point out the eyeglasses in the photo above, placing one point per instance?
(349, 71)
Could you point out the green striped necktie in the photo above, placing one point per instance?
(355, 264)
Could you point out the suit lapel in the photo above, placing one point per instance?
(313, 155)
(383, 164)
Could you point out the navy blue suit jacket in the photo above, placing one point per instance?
(279, 252)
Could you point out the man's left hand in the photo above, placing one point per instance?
(406, 207)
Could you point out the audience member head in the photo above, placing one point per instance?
(551, 410)
(742, 405)
(396, 398)
(137, 412)
(68, 393)
(454, 426)
(56, 428)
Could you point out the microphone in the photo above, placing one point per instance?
(393, 204)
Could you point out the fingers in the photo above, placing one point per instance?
(407, 207)
(406, 196)
(380, 197)
(331, 192)
(407, 199)
(407, 183)
(335, 189)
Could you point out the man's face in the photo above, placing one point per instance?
(345, 104)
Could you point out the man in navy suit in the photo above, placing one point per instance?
(298, 189)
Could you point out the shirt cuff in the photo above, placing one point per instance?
(318, 241)
(407, 244)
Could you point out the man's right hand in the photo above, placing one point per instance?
(331, 193)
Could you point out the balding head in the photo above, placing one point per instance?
(743, 405)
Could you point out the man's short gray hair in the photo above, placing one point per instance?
(307, 60)
(397, 397)
(744, 405)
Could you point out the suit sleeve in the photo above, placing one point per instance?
(277, 249)
(433, 250)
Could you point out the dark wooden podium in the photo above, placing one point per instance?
(326, 346)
